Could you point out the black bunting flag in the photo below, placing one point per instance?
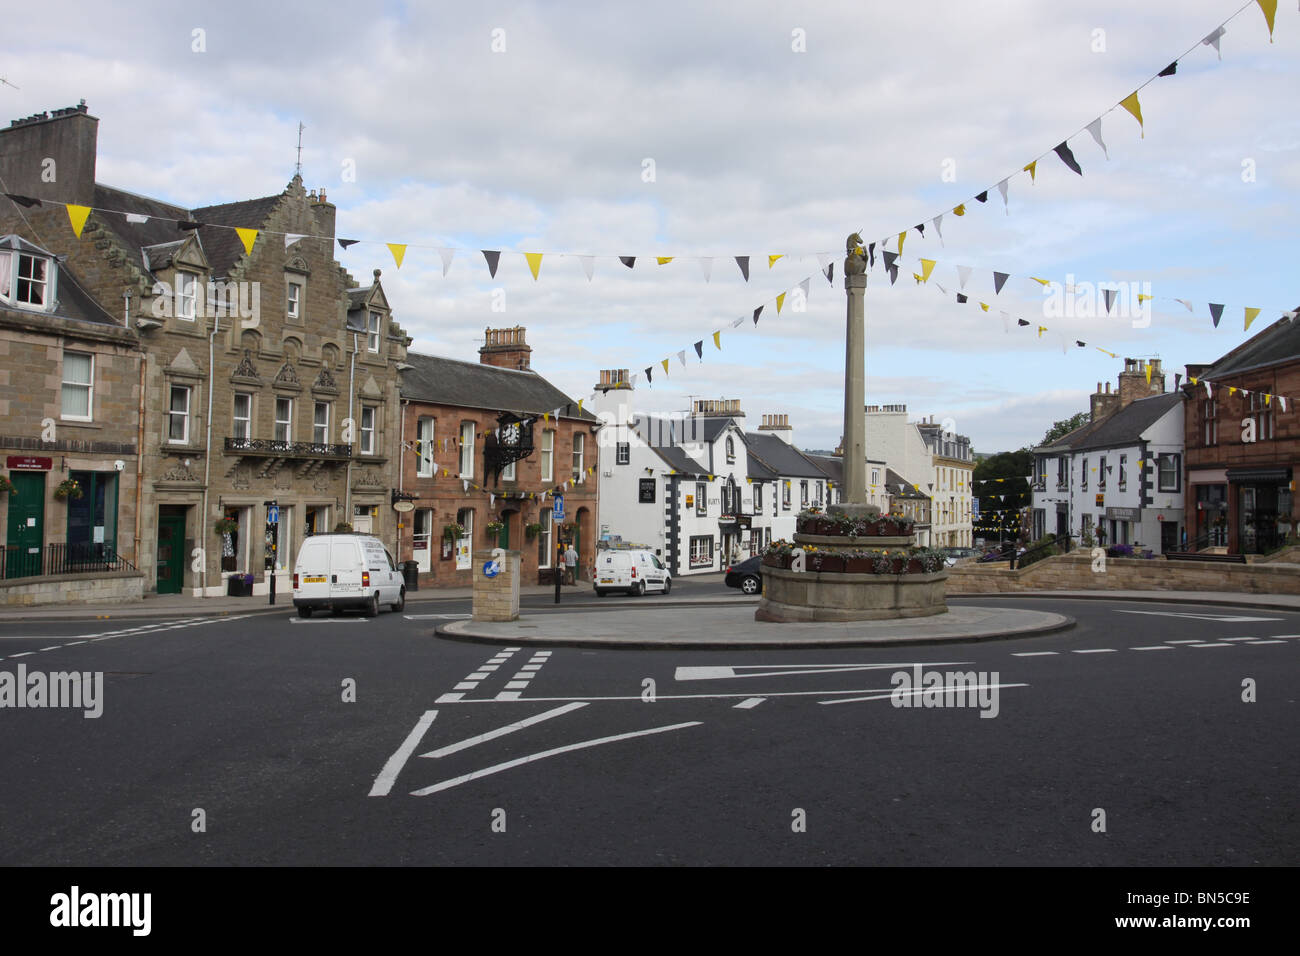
(757, 313)
(1067, 157)
(999, 280)
(983, 197)
(189, 225)
(743, 262)
(962, 298)
(1216, 312)
(699, 349)
(493, 258)
(1170, 70)
(1021, 322)
(348, 242)
(628, 261)
(27, 201)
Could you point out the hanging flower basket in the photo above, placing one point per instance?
(494, 528)
(532, 530)
(7, 486)
(453, 531)
(226, 526)
(68, 488)
(343, 527)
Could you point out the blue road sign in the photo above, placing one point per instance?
(557, 512)
(273, 514)
(491, 569)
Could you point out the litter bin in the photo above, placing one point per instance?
(411, 575)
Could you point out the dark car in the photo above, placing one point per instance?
(746, 575)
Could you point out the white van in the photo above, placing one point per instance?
(339, 571)
(632, 571)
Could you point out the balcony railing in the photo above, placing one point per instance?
(269, 448)
(60, 558)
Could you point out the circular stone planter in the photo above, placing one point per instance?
(801, 596)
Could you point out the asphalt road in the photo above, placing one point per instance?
(727, 757)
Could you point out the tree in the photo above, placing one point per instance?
(1065, 426)
(1003, 491)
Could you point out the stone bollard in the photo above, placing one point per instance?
(496, 585)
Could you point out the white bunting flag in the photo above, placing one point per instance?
(588, 265)
(1095, 129)
(938, 227)
(1002, 188)
(465, 483)
(804, 285)
(1213, 40)
(1281, 400)
(1186, 303)
(706, 266)
(447, 255)
(291, 237)
(681, 356)
(963, 275)
(737, 322)
(492, 500)
(136, 218)
(1209, 392)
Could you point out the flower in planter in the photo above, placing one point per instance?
(494, 528)
(7, 486)
(452, 531)
(226, 526)
(532, 530)
(68, 488)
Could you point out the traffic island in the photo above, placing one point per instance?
(496, 585)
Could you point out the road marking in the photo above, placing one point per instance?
(516, 684)
(384, 782)
(502, 731)
(750, 703)
(917, 692)
(448, 698)
(513, 695)
(329, 620)
(1268, 642)
(23, 654)
(479, 675)
(767, 670)
(1239, 638)
(1096, 650)
(1184, 642)
(532, 758)
(1211, 645)
(1035, 653)
(436, 617)
(1158, 647)
(508, 695)
(54, 648)
(1203, 617)
(466, 685)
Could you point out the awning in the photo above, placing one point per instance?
(1259, 476)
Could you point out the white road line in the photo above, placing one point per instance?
(330, 620)
(70, 643)
(1096, 650)
(1204, 617)
(1035, 653)
(516, 684)
(767, 670)
(1239, 638)
(531, 758)
(1158, 647)
(513, 695)
(479, 675)
(502, 731)
(23, 654)
(1268, 642)
(531, 667)
(1286, 635)
(1184, 642)
(508, 695)
(466, 685)
(749, 703)
(449, 698)
(384, 782)
(1211, 645)
(918, 692)
(436, 617)
(54, 648)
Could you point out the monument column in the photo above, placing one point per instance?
(853, 495)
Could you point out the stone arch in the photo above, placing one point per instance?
(329, 355)
(252, 340)
(292, 348)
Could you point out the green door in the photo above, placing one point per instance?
(26, 525)
(171, 553)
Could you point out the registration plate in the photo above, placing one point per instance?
(314, 580)
(606, 580)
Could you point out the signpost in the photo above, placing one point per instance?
(272, 541)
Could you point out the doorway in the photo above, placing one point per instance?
(171, 549)
(26, 531)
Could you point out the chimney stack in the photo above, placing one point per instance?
(51, 155)
(613, 378)
(710, 407)
(778, 425)
(505, 348)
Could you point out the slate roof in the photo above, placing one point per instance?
(447, 381)
(222, 247)
(71, 302)
(780, 457)
(831, 465)
(679, 461)
(895, 484)
(1124, 427)
(1278, 343)
(760, 471)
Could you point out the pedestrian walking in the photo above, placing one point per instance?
(571, 564)
(1101, 535)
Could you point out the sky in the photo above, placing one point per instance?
(692, 130)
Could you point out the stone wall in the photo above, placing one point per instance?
(1073, 572)
(496, 598)
(112, 587)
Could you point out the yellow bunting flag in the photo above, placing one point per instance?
(771, 260)
(1041, 330)
(1104, 352)
(77, 215)
(917, 276)
(1193, 381)
(1142, 298)
(927, 266)
(717, 340)
(1232, 390)
(663, 260)
(1044, 282)
(780, 301)
(984, 306)
(398, 249)
(1250, 316)
(1268, 399)
(959, 210)
(664, 363)
(1148, 365)
(546, 418)
(534, 262)
(580, 404)
(1032, 170)
(247, 237)
(1131, 104)
(901, 236)
(1270, 11)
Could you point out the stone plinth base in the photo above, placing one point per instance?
(794, 596)
(841, 542)
(496, 598)
(853, 510)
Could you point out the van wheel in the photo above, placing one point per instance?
(304, 612)
(668, 585)
(401, 602)
(372, 609)
(639, 590)
(600, 593)
(336, 612)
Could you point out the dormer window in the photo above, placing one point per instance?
(186, 292)
(27, 278)
(372, 332)
(731, 450)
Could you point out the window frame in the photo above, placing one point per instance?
(374, 323)
(286, 423)
(622, 452)
(425, 466)
(1210, 420)
(579, 475)
(293, 303)
(89, 386)
(236, 418)
(367, 443)
(1263, 415)
(701, 499)
(47, 282)
(184, 416)
(548, 455)
(187, 291)
(546, 518)
(320, 433)
(1175, 461)
(467, 440)
(1122, 483)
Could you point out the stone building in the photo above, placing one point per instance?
(1243, 444)
(493, 442)
(269, 376)
(69, 395)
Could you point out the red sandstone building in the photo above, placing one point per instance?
(1242, 446)
(493, 442)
